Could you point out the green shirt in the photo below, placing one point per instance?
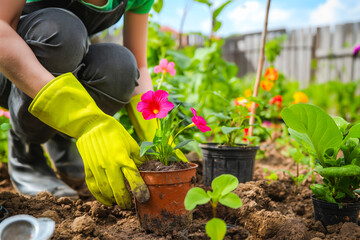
(135, 6)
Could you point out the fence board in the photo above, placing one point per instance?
(329, 47)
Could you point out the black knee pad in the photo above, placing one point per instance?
(57, 37)
(110, 75)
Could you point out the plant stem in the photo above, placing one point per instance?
(312, 166)
(297, 177)
(214, 208)
(161, 80)
(188, 126)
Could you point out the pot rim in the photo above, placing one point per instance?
(357, 202)
(193, 166)
(218, 146)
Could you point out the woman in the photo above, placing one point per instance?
(56, 85)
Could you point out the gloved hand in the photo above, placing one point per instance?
(145, 129)
(107, 149)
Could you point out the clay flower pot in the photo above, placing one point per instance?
(238, 161)
(165, 211)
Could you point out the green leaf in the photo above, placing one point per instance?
(195, 196)
(216, 229)
(144, 147)
(231, 200)
(219, 9)
(224, 184)
(157, 6)
(354, 132)
(322, 192)
(304, 141)
(5, 126)
(204, 1)
(341, 123)
(217, 26)
(227, 130)
(348, 170)
(183, 143)
(316, 124)
(180, 58)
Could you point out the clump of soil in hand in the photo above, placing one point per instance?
(153, 165)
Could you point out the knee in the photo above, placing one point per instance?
(110, 69)
(57, 37)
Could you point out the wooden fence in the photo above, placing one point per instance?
(310, 55)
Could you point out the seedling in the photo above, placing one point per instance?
(335, 145)
(272, 177)
(298, 156)
(222, 186)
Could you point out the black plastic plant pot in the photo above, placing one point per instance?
(331, 213)
(238, 161)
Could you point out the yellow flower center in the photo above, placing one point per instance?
(156, 111)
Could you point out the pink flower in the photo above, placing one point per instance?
(356, 50)
(154, 104)
(2, 112)
(199, 122)
(165, 67)
(7, 114)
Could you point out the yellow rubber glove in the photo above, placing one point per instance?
(145, 129)
(107, 149)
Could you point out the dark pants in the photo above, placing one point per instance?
(59, 40)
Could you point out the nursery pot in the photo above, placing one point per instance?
(331, 213)
(165, 211)
(238, 161)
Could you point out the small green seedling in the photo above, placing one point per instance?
(272, 177)
(299, 157)
(222, 186)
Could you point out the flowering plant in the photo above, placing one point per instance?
(155, 105)
(233, 122)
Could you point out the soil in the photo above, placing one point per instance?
(271, 210)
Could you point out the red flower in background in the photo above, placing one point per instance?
(276, 100)
(271, 74)
(246, 133)
(266, 85)
(154, 104)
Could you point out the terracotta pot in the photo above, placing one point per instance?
(165, 211)
(238, 161)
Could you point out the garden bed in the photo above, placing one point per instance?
(269, 211)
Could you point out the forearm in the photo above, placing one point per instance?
(19, 64)
(145, 83)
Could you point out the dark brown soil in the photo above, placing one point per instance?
(270, 210)
(153, 165)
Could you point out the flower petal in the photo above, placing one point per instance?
(148, 96)
(141, 106)
(193, 111)
(163, 63)
(166, 106)
(7, 114)
(157, 69)
(148, 114)
(172, 72)
(161, 96)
